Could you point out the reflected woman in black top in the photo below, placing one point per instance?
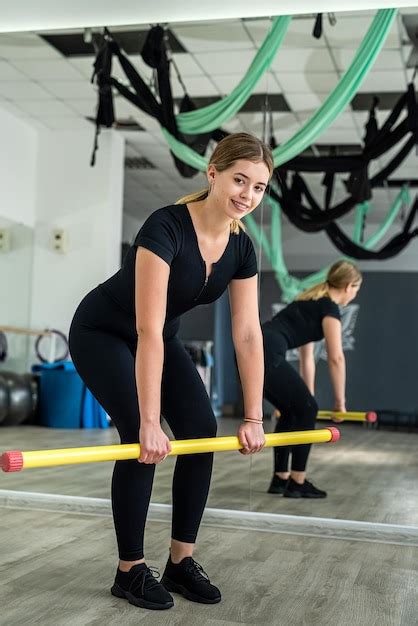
(314, 315)
(124, 344)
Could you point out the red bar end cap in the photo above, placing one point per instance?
(371, 417)
(11, 461)
(335, 434)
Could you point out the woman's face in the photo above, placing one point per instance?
(351, 291)
(240, 188)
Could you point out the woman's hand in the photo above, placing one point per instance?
(155, 445)
(251, 436)
(339, 407)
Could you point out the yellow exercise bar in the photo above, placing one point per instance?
(349, 416)
(14, 461)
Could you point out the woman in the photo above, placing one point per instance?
(314, 315)
(124, 345)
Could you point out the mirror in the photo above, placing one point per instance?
(365, 470)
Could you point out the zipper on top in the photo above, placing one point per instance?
(203, 288)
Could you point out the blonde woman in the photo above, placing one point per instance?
(314, 315)
(124, 344)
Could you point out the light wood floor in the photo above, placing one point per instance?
(56, 570)
(369, 474)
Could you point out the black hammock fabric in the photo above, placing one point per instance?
(154, 53)
(345, 244)
(389, 250)
(314, 218)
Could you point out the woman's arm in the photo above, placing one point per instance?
(307, 365)
(151, 282)
(248, 343)
(336, 359)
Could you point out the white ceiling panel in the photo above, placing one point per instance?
(23, 90)
(124, 109)
(349, 32)
(301, 82)
(228, 62)
(86, 108)
(383, 81)
(84, 65)
(339, 135)
(12, 107)
(387, 59)
(26, 46)
(76, 89)
(187, 65)
(305, 102)
(266, 84)
(44, 69)
(8, 72)
(215, 37)
(46, 108)
(362, 117)
(303, 60)
(68, 123)
(195, 85)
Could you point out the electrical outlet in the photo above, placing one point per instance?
(60, 240)
(5, 240)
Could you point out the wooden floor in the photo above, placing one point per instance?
(56, 570)
(369, 474)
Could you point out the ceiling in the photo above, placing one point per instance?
(52, 91)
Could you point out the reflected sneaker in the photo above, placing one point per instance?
(307, 490)
(190, 580)
(277, 485)
(140, 587)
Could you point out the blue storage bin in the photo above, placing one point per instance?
(61, 392)
(64, 400)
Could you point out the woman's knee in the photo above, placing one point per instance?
(308, 413)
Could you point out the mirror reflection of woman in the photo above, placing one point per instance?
(124, 344)
(314, 315)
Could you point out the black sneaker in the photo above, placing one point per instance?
(140, 587)
(307, 490)
(190, 580)
(277, 485)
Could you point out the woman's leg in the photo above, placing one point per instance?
(286, 390)
(187, 409)
(106, 363)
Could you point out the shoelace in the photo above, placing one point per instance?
(150, 574)
(197, 571)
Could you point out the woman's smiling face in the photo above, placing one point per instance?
(240, 188)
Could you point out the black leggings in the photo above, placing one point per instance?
(103, 346)
(285, 390)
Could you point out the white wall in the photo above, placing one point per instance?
(130, 227)
(18, 153)
(87, 203)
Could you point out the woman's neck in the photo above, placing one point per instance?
(209, 219)
(336, 295)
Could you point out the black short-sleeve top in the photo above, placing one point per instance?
(169, 233)
(301, 321)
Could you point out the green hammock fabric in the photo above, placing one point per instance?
(209, 118)
(344, 91)
(290, 285)
(361, 211)
(328, 111)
